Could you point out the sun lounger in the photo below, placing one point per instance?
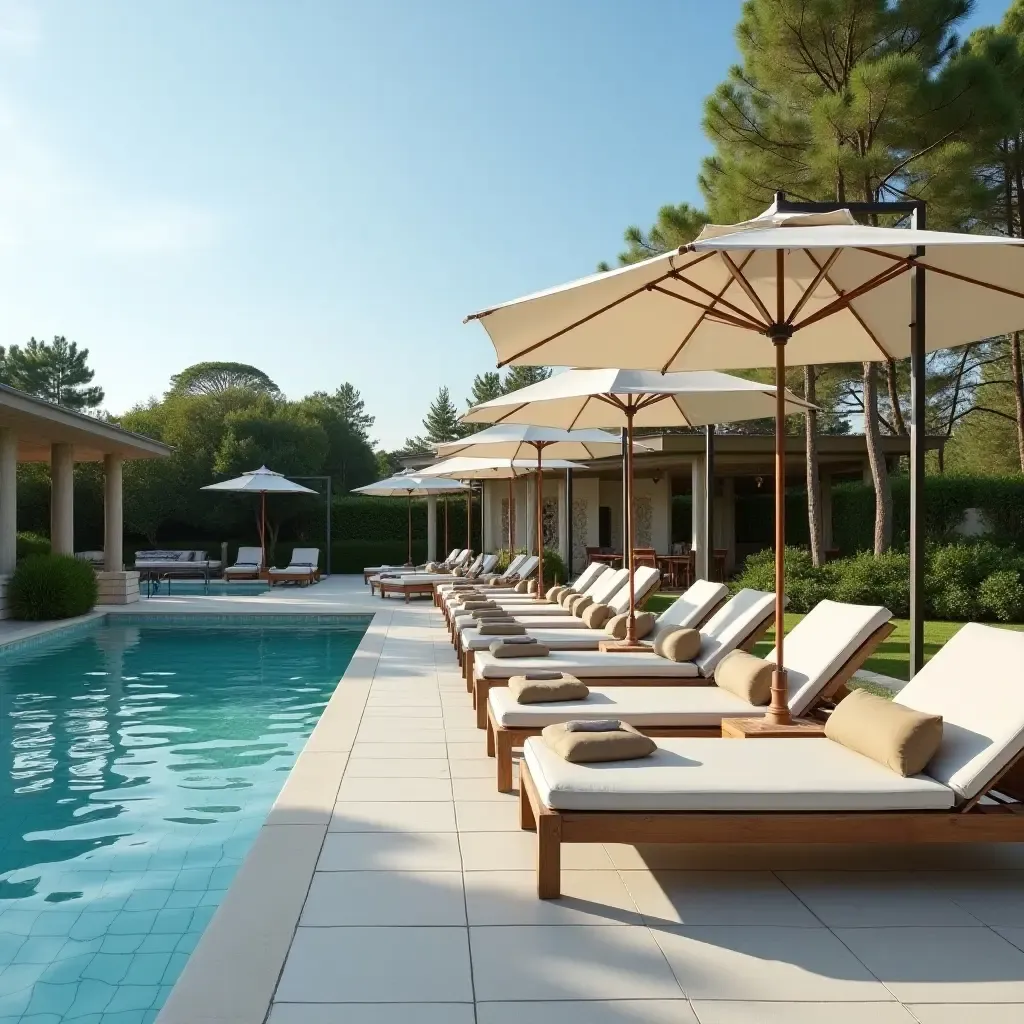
(823, 651)
(456, 557)
(410, 584)
(248, 565)
(302, 569)
(562, 630)
(806, 790)
(738, 624)
(510, 572)
(435, 578)
(521, 567)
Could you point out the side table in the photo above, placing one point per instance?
(758, 728)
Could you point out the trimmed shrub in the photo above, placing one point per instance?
(1001, 596)
(865, 579)
(954, 576)
(32, 544)
(554, 568)
(51, 587)
(805, 584)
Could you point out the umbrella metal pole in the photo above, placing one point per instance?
(446, 524)
(469, 517)
(778, 710)
(917, 438)
(263, 528)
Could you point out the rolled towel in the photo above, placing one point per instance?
(500, 628)
(584, 746)
(528, 690)
(508, 648)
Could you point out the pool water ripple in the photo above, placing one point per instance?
(139, 763)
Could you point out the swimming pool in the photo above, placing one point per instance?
(193, 588)
(140, 760)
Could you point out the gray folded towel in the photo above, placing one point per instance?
(597, 725)
(521, 640)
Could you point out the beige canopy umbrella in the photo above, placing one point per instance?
(634, 398)
(410, 485)
(817, 284)
(516, 441)
(462, 468)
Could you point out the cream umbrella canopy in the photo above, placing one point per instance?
(634, 398)
(462, 468)
(260, 481)
(409, 486)
(516, 441)
(811, 283)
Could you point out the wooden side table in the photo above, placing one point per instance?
(758, 728)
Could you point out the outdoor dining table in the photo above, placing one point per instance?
(610, 557)
(678, 568)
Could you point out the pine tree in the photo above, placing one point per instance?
(352, 409)
(847, 100)
(441, 424)
(517, 377)
(58, 372)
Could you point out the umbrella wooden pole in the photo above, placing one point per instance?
(630, 528)
(446, 524)
(540, 522)
(409, 521)
(469, 517)
(511, 519)
(263, 528)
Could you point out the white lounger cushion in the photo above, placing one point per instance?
(725, 630)
(639, 705)
(731, 775)
(586, 665)
(692, 606)
(821, 643)
(976, 682)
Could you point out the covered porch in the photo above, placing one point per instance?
(671, 512)
(33, 430)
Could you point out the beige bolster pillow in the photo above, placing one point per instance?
(492, 627)
(596, 615)
(899, 737)
(504, 649)
(552, 594)
(584, 746)
(523, 587)
(528, 689)
(678, 644)
(748, 677)
(617, 625)
(580, 605)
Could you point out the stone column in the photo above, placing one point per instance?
(8, 500)
(697, 520)
(113, 514)
(432, 528)
(825, 480)
(62, 499)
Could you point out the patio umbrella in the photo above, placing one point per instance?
(512, 441)
(410, 485)
(634, 398)
(260, 481)
(817, 284)
(497, 469)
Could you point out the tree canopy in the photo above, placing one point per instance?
(213, 377)
(58, 372)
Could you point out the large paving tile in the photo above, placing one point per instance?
(310, 790)
(409, 717)
(384, 789)
(378, 730)
(941, 965)
(390, 851)
(517, 851)
(769, 963)
(487, 815)
(393, 816)
(460, 734)
(510, 897)
(402, 768)
(619, 1011)
(368, 1013)
(875, 899)
(347, 898)
(377, 965)
(481, 789)
(968, 1013)
(474, 768)
(716, 898)
(732, 1012)
(569, 963)
(463, 750)
(402, 751)
(994, 897)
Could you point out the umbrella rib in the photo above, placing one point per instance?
(583, 408)
(860, 320)
(747, 287)
(809, 290)
(707, 312)
(739, 311)
(949, 273)
(747, 324)
(597, 312)
(844, 298)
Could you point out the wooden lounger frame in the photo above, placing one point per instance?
(466, 657)
(502, 740)
(974, 822)
(482, 687)
(310, 576)
(420, 588)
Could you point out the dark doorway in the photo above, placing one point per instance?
(604, 526)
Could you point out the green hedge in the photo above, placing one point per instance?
(47, 587)
(963, 582)
(1000, 499)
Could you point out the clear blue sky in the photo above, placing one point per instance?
(324, 188)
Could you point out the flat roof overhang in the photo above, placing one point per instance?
(39, 424)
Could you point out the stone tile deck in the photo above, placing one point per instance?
(421, 908)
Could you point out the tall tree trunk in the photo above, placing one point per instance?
(879, 471)
(1017, 372)
(892, 383)
(813, 482)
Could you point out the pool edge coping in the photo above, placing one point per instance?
(232, 974)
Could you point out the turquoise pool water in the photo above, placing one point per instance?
(190, 588)
(139, 761)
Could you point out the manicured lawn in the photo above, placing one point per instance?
(892, 657)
